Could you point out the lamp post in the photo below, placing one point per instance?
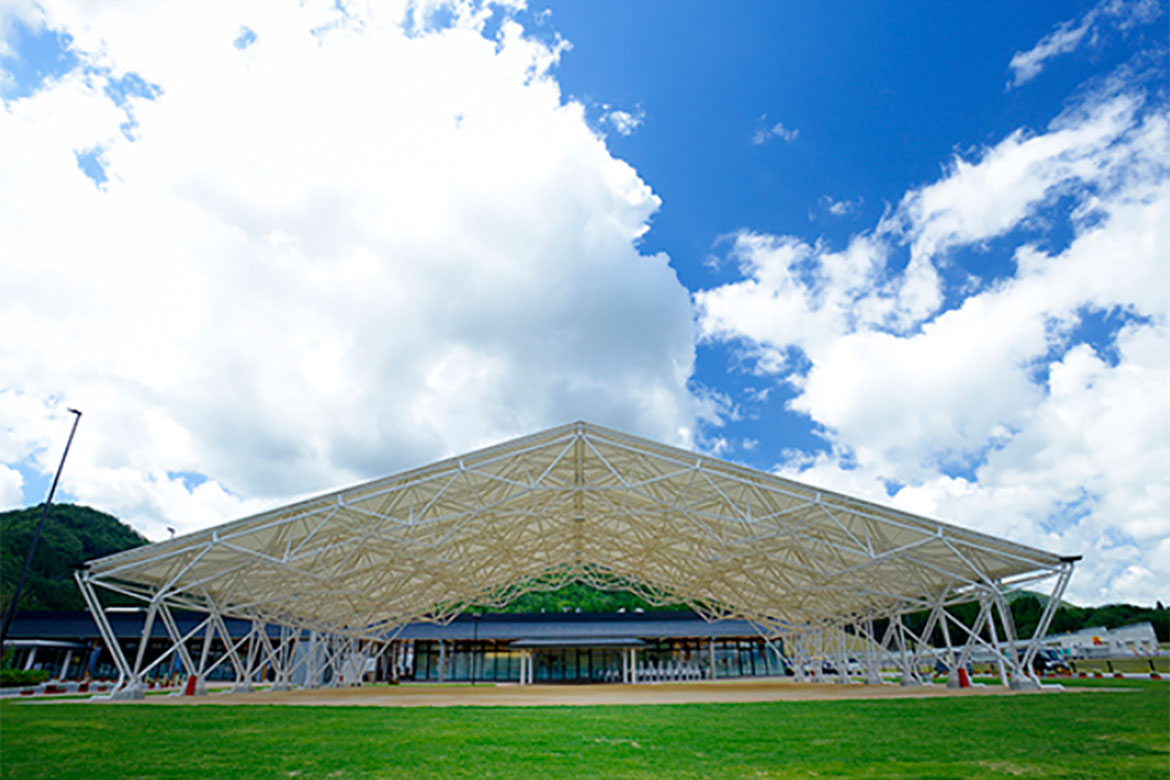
(32, 548)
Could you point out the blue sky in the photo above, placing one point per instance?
(915, 253)
(880, 97)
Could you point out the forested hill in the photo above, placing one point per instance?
(73, 534)
(578, 597)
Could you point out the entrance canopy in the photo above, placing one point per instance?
(577, 502)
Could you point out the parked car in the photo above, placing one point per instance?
(826, 667)
(1047, 661)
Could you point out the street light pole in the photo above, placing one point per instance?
(37, 535)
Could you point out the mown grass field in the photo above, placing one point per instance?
(1088, 734)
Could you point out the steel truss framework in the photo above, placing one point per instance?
(341, 573)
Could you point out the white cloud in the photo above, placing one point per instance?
(1026, 65)
(983, 199)
(11, 488)
(343, 250)
(839, 208)
(990, 412)
(1071, 34)
(765, 133)
(624, 122)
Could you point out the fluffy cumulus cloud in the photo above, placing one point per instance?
(1034, 404)
(623, 122)
(313, 244)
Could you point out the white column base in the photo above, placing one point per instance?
(132, 692)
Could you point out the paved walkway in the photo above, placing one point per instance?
(511, 695)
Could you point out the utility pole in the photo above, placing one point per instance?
(32, 548)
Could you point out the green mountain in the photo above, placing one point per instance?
(575, 596)
(72, 534)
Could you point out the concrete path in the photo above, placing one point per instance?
(511, 695)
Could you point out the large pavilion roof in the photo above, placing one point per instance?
(575, 502)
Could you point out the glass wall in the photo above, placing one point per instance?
(494, 661)
(489, 661)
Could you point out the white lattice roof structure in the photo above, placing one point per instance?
(576, 502)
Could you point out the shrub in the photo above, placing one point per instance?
(14, 678)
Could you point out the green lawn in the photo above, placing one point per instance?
(1089, 734)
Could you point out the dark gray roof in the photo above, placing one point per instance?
(49, 644)
(78, 624)
(597, 641)
(649, 625)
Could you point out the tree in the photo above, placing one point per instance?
(575, 595)
(72, 535)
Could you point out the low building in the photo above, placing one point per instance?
(574, 647)
(492, 647)
(1138, 639)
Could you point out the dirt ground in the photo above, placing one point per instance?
(512, 695)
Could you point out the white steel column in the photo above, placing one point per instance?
(281, 660)
(134, 688)
(798, 658)
(909, 674)
(312, 679)
(200, 687)
(1046, 618)
(973, 632)
(842, 656)
(1021, 679)
(332, 655)
(952, 660)
(1003, 675)
(924, 640)
(229, 646)
(243, 682)
(873, 666)
(179, 641)
(1048, 613)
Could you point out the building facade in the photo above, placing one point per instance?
(491, 648)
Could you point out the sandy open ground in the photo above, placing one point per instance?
(511, 695)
